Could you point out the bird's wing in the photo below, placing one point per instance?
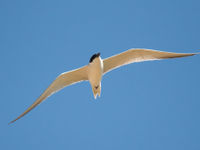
(138, 55)
(63, 80)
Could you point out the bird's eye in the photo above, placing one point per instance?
(96, 87)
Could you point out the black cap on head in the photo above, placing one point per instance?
(94, 56)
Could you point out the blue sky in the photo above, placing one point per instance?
(150, 105)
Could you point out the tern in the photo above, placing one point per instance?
(97, 67)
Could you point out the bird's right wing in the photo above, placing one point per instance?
(63, 80)
(138, 55)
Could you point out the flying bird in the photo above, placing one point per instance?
(97, 67)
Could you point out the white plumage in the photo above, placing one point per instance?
(97, 67)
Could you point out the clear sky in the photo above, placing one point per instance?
(143, 106)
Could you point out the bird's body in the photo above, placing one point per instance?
(95, 73)
(97, 67)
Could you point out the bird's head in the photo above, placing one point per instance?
(93, 57)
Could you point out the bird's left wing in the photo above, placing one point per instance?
(63, 80)
(138, 55)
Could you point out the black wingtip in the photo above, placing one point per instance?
(12, 122)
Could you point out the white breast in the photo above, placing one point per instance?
(95, 71)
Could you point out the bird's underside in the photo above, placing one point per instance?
(98, 67)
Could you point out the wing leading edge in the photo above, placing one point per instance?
(138, 55)
(63, 80)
